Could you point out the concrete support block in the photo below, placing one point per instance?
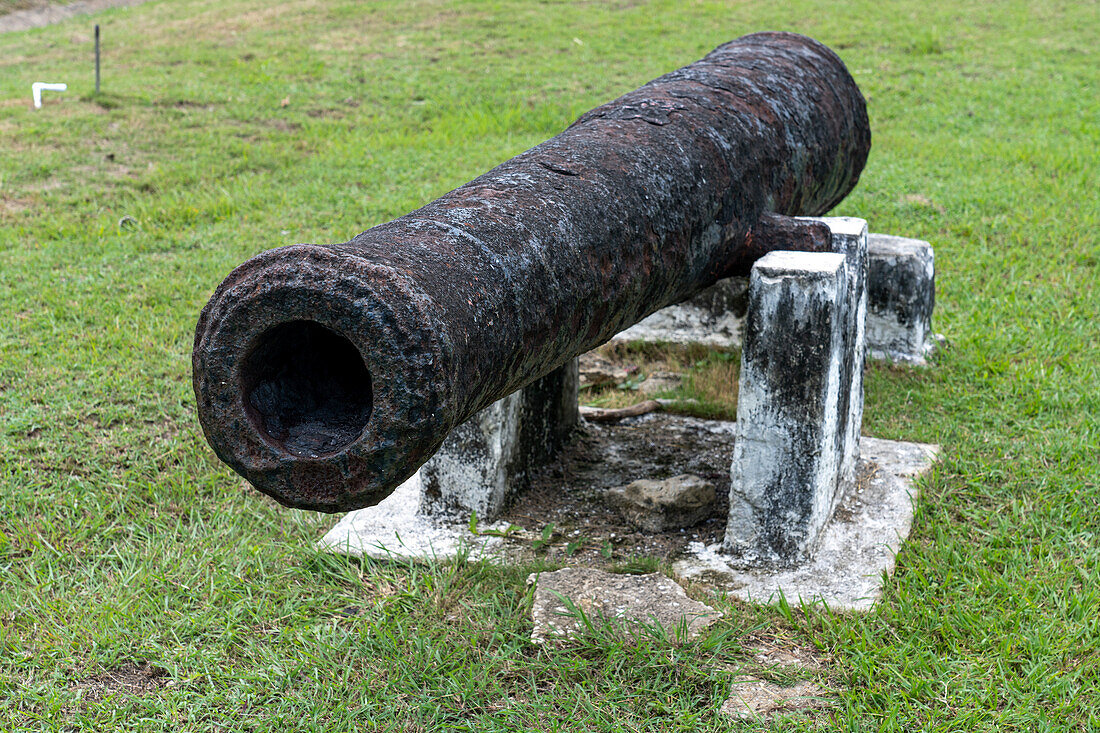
(713, 317)
(850, 239)
(481, 465)
(474, 468)
(789, 449)
(484, 461)
(901, 293)
(855, 551)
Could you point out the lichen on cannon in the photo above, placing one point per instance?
(326, 374)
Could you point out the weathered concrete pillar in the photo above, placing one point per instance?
(789, 449)
(482, 464)
(901, 293)
(850, 239)
(488, 458)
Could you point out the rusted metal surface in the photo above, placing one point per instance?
(326, 374)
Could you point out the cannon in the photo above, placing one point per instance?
(326, 374)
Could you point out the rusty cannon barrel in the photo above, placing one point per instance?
(326, 374)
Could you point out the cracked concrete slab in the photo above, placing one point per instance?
(399, 527)
(855, 549)
(565, 598)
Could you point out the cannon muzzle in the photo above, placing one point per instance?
(327, 374)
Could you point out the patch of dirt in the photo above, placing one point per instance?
(661, 381)
(43, 13)
(13, 102)
(919, 199)
(131, 678)
(769, 651)
(752, 698)
(332, 113)
(9, 206)
(107, 170)
(569, 493)
(851, 505)
(226, 22)
(282, 125)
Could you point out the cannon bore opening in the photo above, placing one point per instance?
(306, 389)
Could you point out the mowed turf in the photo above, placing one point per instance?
(144, 587)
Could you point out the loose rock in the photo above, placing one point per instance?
(595, 370)
(622, 599)
(660, 381)
(656, 506)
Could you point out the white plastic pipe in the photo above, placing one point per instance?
(38, 86)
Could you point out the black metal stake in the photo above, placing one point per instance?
(97, 59)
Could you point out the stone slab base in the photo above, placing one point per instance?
(399, 528)
(570, 494)
(623, 600)
(934, 343)
(855, 549)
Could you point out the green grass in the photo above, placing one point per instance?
(226, 128)
(708, 388)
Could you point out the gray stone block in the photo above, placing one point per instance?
(850, 239)
(789, 448)
(855, 551)
(672, 503)
(624, 601)
(901, 294)
(713, 317)
(487, 459)
(481, 465)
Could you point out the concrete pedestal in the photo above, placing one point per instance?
(481, 465)
(850, 239)
(487, 459)
(901, 292)
(856, 549)
(789, 448)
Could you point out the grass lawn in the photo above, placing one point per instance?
(144, 587)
